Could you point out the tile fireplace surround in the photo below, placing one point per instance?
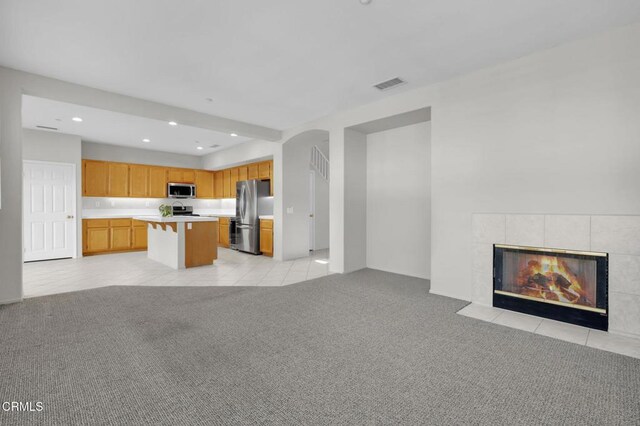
(617, 235)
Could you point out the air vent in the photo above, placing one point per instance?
(47, 128)
(215, 146)
(386, 85)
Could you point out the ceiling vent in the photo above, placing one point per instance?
(389, 84)
(47, 128)
(215, 146)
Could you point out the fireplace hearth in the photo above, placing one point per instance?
(562, 285)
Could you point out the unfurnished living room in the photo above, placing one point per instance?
(320, 212)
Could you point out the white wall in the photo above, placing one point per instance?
(355, 200)
(106, 152)
(58, 148)
(11, 189)
(398, 200)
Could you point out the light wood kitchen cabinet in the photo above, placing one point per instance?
(120, 238)
(138, 181)
(120, 234)
(204, 184)
(223, 232)
(138, 234)
(233, 180)
(118, 180)
(113, 235)
(157, 182)
(252, 171)
(95, 178)
(243, 173)
(95, 235)
(226, 186)
(264, 170)
(111, 179)
(181, 175)
(218, 185)
(266, 237)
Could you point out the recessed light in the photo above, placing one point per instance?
(234, 134)
(146, 140)
(173, 123)
(365, 1)
(77, 119)
(199, 147)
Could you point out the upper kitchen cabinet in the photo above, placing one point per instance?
(226, 186)
(118, 180)
(233, 180)
(182, 176)
(218, 184)
(252, 171)
(138, 181)
(204, 184)
(157, 182)
(243, 173)
(264, 170)
(95, 178)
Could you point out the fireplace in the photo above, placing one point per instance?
(562, 285)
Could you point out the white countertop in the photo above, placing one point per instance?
(175, 219)
(129, 213)
(266, 217)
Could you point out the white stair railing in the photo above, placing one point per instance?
(320, 162)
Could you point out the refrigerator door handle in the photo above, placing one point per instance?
(241, 202)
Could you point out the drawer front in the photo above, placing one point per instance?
(224, 221)
(96, 223)
(119, 222)
(266, 223)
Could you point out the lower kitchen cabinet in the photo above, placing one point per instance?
(223, 232)
(113, 235)
(138, 235)
(266, 237)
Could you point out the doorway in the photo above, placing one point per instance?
(49, 210)
(312, 210)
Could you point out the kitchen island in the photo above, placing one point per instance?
(181, 241)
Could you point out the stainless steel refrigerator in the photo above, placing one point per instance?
(252, 201)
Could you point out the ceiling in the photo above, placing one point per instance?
(280, 63)
(121, 129)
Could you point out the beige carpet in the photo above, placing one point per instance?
(364, 348)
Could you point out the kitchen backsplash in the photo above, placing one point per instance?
(92, 206)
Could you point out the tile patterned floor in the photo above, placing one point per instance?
(231, 268)
(558, 330)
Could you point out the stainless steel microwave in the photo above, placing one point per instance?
(181, 190)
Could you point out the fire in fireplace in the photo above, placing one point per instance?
(564, 285)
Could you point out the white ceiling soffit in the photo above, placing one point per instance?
(280, 63)
(122, 129)
(392, 122)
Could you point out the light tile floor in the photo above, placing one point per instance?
(232, 268)
(558, 330)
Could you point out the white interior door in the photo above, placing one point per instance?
(49, 210)
(312, 210)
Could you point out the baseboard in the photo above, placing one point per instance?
(10, 301)
(442, 293)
